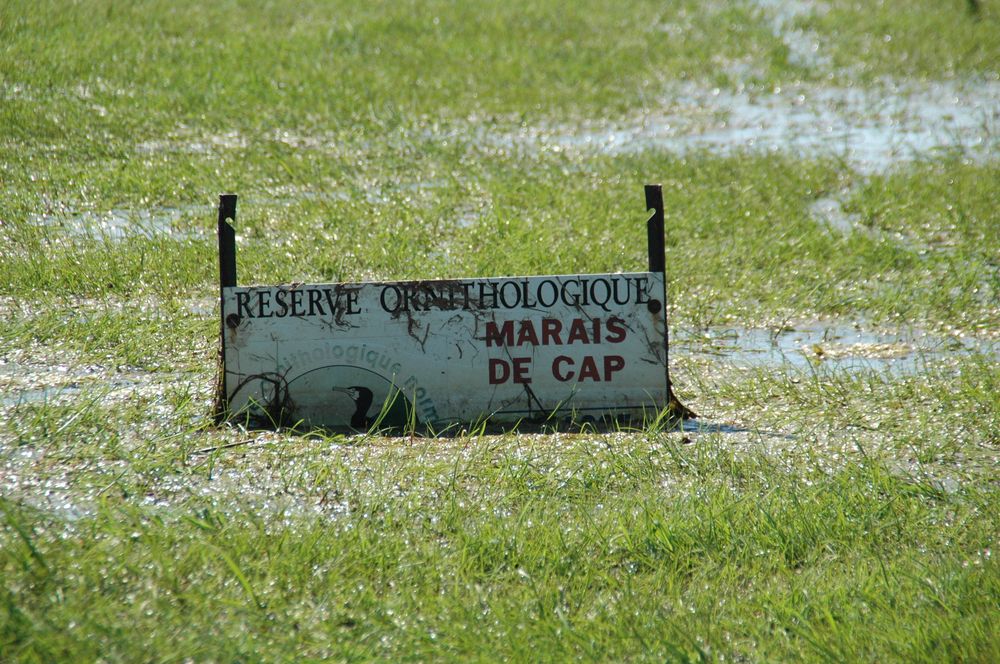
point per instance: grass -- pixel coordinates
(820, 513)
(930, 40)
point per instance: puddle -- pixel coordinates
(829, 211)
(206, 307)
(375, 193)
(803, 46)
(208, 144)
(120, 224)
(831, 347)
(24, 383)
(869, 129)
(42, 395)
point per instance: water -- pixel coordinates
(119, 224)
(869, 129)
(803, 46)
(830, 346)
(830, 212)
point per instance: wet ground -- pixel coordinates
(830, 346)
(870, 130)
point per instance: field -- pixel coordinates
(831, 171)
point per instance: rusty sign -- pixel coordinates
(446, 352)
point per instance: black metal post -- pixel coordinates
(654, 228)
(655, 234)
(227, 241)
(227, 279)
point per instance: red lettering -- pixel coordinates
(500, 336)
(578, 332)
(613, 363)
(551, 329)
(588, 369)
(499, 371)
(527, 334)
(521, 367)
(557, 368)
(616, 329)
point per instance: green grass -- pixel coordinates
(819, 513)
(930, 39)
(518, 547)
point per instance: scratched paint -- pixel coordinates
(446, 352)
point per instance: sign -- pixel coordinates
(568, 348)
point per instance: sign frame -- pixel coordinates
(275, 409)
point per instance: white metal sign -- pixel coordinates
(438, 353)
(446, 351)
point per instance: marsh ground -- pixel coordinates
(831, 174)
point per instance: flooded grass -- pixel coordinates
(831, 178)
(872, 130)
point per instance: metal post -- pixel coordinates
(655, 234)
(227, 241)
(654, 228)
(227, 279)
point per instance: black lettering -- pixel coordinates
(352, 302)
(526, 295)
(263, 301)
(503, 295)
(315, 303)
(297, 303)
(482, 294)
(563, 296)
(607, 293)
(555, 293)
(410, 302)
(621, 300)
(243, 304)
(279, 299)
(465, 292)
(331, 301)
(640, 290)
(385, 305)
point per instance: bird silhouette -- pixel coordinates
(362, 398)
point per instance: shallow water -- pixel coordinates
(830, 347)
(803, 46)
(868, 129)
(119, 224)
(830, 212)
